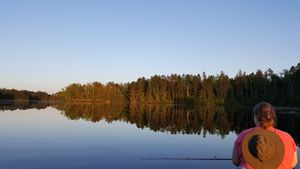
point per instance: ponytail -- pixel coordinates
(265, 115)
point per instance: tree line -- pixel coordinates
(281, 89)
(110, 93)
(13, 94)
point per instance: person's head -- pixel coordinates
(264, 115)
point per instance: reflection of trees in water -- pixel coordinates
(92, 112)
(240, 118)
(23, 105)
(211, 119)
(163, 118)
(291, 124)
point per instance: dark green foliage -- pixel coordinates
(280, 89)
(283, 89)
(13, 94)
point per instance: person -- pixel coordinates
(264, 146)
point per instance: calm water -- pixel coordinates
(99, 136)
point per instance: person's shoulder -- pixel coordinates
(284, 135)
(241, 136)
(281, 132)
(244, 133)
(287, 139)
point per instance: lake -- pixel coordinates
(62, 136)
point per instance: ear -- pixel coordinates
(255, 121)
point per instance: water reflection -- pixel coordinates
(163, 118)
(211, 119)
(23, 105)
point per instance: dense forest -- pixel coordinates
(279, 89)
(13, 94)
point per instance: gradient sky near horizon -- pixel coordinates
(47, 45)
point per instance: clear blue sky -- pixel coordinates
(46, 45)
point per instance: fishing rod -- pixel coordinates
(184, 158)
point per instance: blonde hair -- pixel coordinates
(265, 115)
